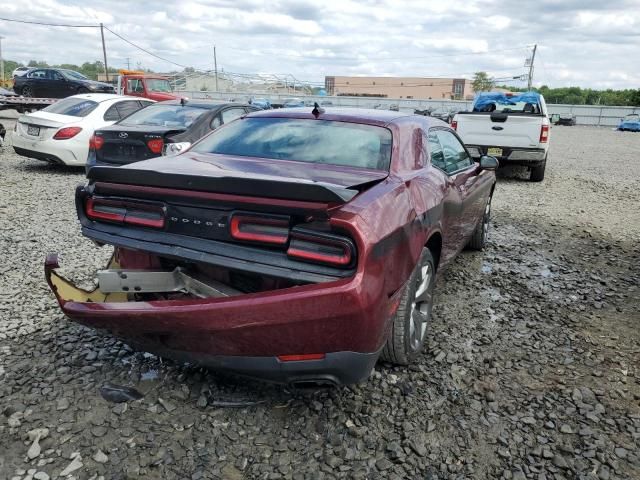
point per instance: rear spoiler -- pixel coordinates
(253, 185)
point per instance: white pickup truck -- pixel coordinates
(514, 128)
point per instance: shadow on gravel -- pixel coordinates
(513, 174)
(46, 168)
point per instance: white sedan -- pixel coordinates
(60, 133)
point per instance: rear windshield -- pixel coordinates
(313, 141)
(516, 107)
(75, 107)
(177, 116)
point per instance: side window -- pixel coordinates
(455, 156)
(111, 115)
(437, 157)
(135, 85)
(216, 122)
(127, 107)
(56, 75)
(231, 114)
(145, 104)
(38, 74)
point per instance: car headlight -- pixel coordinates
(170, 149)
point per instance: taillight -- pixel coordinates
(320, 247)
(105, 210)
(67, 133)
(121, 211)
(155, 145)
(96, 142)
(544, 134)
(454, 124)
(267, 229)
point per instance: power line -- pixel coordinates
(48, 24)
(144, 50)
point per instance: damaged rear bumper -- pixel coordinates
(341, 324)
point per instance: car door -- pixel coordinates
(58, 86)
(135, 87)
(452, 226)
(466, 176)
(37, 80)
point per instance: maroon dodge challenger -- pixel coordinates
(292, 246)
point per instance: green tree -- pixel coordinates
(482, 82)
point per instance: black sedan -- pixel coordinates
(57, 83)
(162, 128)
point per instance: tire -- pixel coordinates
(27, 91)
(479, 238)
(537, 173)
(411, 320)
(83, 90)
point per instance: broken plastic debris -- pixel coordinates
(118, 393)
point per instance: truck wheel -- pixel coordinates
(27, 91)
(537, 173)
(411, 320)
(479, 238)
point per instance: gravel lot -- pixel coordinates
(532, 368)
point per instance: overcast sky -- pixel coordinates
(587, 43)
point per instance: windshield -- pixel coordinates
(158, 85)
(70, 74)
(177, 116)
(313, 141)
(75, 107)
(632, 117)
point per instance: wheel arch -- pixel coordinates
(434, 244)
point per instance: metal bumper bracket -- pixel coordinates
(147, 281)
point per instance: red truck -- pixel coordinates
(140, 84)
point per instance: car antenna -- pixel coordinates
(317, 110)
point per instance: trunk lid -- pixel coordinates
(248, 176)
(44, 123)
(517, 131)
(123, 145)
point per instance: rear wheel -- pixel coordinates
(83, 90)
(410, 322)
(537, 173)
(479, 238)
(27, 91)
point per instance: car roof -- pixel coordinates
(103, 97)
(357, 115)
(202, 103)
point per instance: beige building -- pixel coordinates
(401, 87)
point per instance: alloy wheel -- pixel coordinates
(27, 91)
(421, 307)
(485, 222)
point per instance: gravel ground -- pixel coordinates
(532, 369)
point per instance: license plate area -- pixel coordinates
(127, 151)
(33, 130)
(494, 151)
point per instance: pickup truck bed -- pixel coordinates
(515, 135)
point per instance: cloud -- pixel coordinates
(581, 42)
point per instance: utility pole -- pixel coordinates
(128, 64)
(215, 66)
(104, 53)
(533, 58)
(1, 64)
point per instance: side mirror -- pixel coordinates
(488, 163)
(170, 149)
